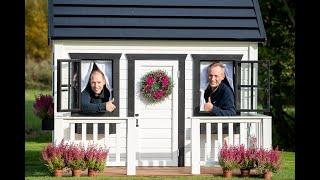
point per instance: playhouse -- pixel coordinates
(127, 39)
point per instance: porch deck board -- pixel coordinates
(165, 171)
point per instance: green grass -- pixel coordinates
(34, 169)
(31, 121)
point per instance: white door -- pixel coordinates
(158, 123)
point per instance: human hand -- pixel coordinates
(208, 106)
(110, 106)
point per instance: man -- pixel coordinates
(95, 98)
(219, 96)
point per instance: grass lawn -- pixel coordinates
(34, 169)
(31, 121)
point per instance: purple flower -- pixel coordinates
(158, 94)
(43, 106)
(165, 81)
(149, 80)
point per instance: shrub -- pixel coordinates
(228, 157)
(43, 106)
(247, 157)
(74, 157)
(96, 157)
(268, 160)
(52, 155)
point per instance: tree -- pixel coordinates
(36, 30)
(278, 17)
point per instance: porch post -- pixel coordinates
(58, 132)
(195, 146)
(267, 132)
(131, 146)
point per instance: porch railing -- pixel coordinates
(65, 128)
(257, 126)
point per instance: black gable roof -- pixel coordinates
(156, 19)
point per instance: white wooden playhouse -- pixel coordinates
(126, 39)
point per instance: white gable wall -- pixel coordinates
(62, 48)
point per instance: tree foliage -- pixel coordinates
(279, 21)
(36, 30)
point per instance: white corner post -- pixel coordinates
(131, 146)
(267, 132)
(195, 146)
(58, 133)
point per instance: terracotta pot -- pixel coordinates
(76, 172)
(267, 175)
(227, 173)
(58, 172)
(92, 172)
(245, 172)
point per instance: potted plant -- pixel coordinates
(74, 159)
(247, 160)
(95, 158)
(228, 159)
(268, 162)
(52, 156)
(43, 108)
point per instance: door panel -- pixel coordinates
(158, 123)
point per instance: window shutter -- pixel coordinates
(253, 86)
(69, 86)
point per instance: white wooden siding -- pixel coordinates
(63, 47)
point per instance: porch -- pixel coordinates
(204, 147)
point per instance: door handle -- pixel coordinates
(137, 119)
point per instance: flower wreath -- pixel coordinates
(156, 86)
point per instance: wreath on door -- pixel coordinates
(156, 86)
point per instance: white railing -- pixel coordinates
(64, 128)
(257, 126)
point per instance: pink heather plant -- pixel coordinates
(247, 157)
(74, 157)
(52, 155)
(228, 157)
(156, 85)
(268, 160)
(96, 158)
(43, 106)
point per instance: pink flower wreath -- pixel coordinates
(156, 86)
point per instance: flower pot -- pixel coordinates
(267, 175)
(92, 172)
(76, 172)
(47, 124)
(58, 172)
(245, 172)
(227, 173)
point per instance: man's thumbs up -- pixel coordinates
(208, 106)
(209, 100)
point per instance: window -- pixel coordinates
(249, 81)
(74, 83)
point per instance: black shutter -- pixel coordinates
(253, 86)
(69, 85)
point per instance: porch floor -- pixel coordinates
(162, 171)
(168, 171)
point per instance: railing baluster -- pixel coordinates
(118, 143)
(84, 132)
(106, 137)
(220, 140)
(72, 131)
(131, 146)
(243, 134)
(230, 134)
(208, 142)
(95, 132)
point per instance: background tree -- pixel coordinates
(279, 22)
(37, 51)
